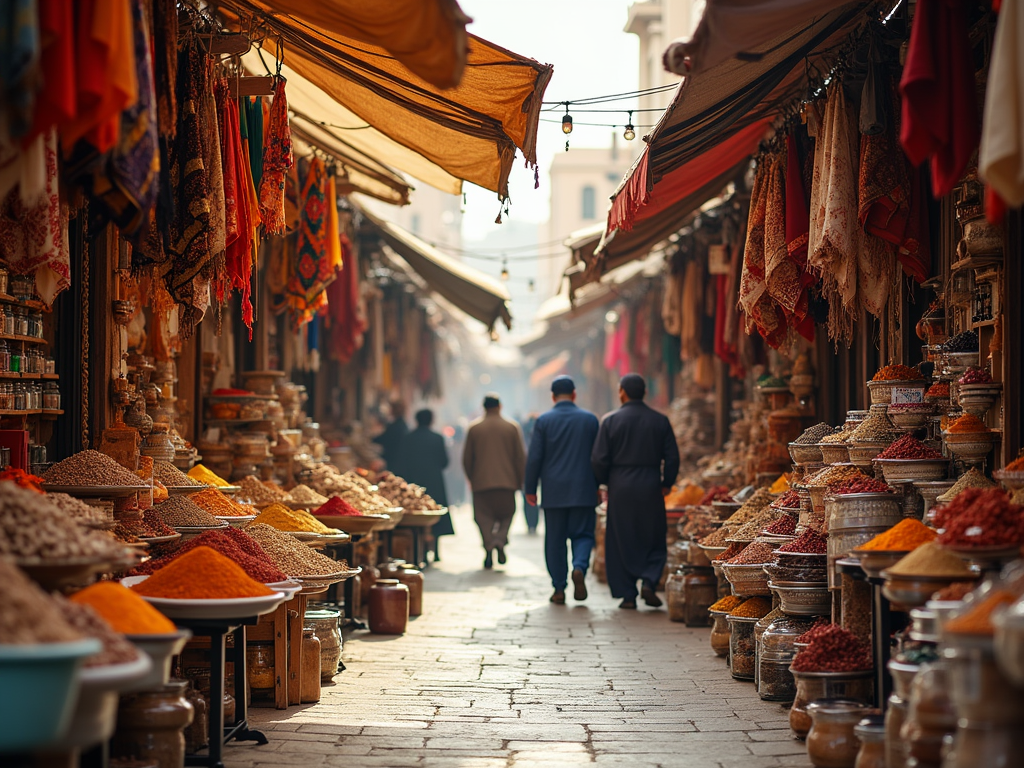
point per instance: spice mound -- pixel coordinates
(907, 447)
(757, 553)
(754, 608)
(784, 526)
(930, 559)
(203, 475)
(897, 373)
(292, 556)
(830, 475)
(221, 505)
(938, 390)
(201, 574)
(972, 478)
(832, 649)
(814, 434)
(31, 527)
(788, 500)
(758, 500)
(966, 425)
(810, 542)
(859, 485)
(715, 493)
(1017, 465)
(182, 512)
(876, 428)
(962, 342)
(123, 610)
(171, 476)
(303, 494)
(726, 603)
(956, 591)
(975, 375)
(78, 510)
(781, 484)
(22, 479)
(284, 519)
(257, 492)
(977, 620)
(116, 649)
(731, 551)
(230, 542)
(338, 506)
(906, 535)
(981, 518)
(90, 468)
(27, 614)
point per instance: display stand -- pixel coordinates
(220, 733)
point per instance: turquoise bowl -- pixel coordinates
(38, 689)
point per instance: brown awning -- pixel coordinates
(472, 131)
(476, 294)
(426, 36)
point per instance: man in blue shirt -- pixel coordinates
(559, 458)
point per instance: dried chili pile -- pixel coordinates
(897, 373)
(784, 526)
(832, 649)
(908, 447)
(788, 500)
(859, 485)
(981, 518)
(755, 554)
(715, 493)
(810, 542)
(230, 542)
(338, 506)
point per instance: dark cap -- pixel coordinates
(491, 400)
(634, 386)
(563, 385)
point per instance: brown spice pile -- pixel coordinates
(27, 614)
(171, 476)
(90, 468)
(831, 474)
(718, 538)
(181, 511)
(77, 509)
(256, 492)
(876, 428)
(726, 603)
(758, 500)
(303, 494)
(755, 554)
(932, 560)
(754, 608)
(972, 478)
(292, 556)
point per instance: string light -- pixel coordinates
(504, 270)
(566, 121)
(629, 134)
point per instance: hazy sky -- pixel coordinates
(591, 55)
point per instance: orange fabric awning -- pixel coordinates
(426, 36)
(471, 131)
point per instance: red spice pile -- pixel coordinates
(788, 500)
(981, 518)
(22, 479)
(831, 649)
(907, 447)
(231, 543)
(784, 526)
(337, 506)
(810, 541)
(859, 485)
(757, 553)
(715, 493)
(731, 552)
(976, 376)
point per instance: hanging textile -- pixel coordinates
(125, 189)
(56, 101)
(797, 226)
(165, 64)
(940, 106)
(313, 269)
(277, 160)
(834, 235)
(213, 160)
(691, 310)
(254, 132)
(190, 227)
(1001, 158)
(757, 304)
(345, 310)
(670, 309)
(19, 66)
(34, 239)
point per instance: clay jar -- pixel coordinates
(151, 725)
(309, 673)
(389, 607)
(412, 577)
(831, 742)
(325, 626)
(720, 632)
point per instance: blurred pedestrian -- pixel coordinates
(494, 460)
(637, 458)
(559, 458)
(423, 460)
(530, 510)
(390, 440)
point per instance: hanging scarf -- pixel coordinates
(56, 100)
(213, 159)
(165, 65)
(756, 302)
(190, 227)
(347, 318)
(34, 239)
(313, 268)
(834, 238)
(254, 133)
(125, 189)
(277, 160)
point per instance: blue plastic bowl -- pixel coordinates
(38, 688)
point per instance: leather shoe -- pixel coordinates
(579, 585)
(650, 597)
(501, 556)
(558, 598)
(488, 562)
(628, 605)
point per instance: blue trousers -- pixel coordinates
(572, 524)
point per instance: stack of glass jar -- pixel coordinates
(14, 359)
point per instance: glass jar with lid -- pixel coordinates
(5, 356)
(9, 321)
(19, 397)
(51, 396)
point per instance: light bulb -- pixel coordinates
(629, 134)
(567, 123)
(530, 286)
(504, 271)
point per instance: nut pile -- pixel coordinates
(256, 492)
(412, 497)
(291, 556)
(27, 614)
(962, 342)
(78, 510)
(306, 496)
(181, 511)
(90, 468)
(31, 527)
(813, 435)
(171, 476)
(876, 428)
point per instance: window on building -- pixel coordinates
(589, 203)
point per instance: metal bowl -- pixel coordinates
(747, 580)
(901, 470)
(805, 453)
(803, 600)
(913, 591)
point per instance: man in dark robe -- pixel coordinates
(423, 458)
(390, 440)
(636, 457)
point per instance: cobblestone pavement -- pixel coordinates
(493, 675)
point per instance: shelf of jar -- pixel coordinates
(27, 303)
(26, 339)
(44, 412)
(29, 376)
